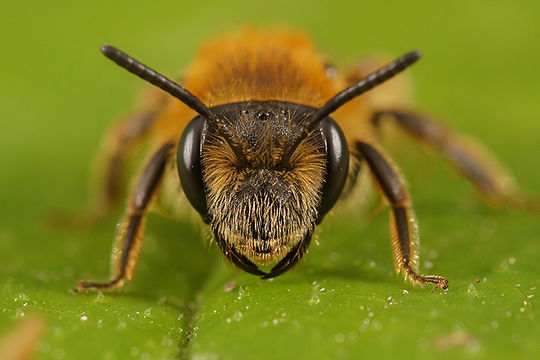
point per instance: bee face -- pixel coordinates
(260, 211)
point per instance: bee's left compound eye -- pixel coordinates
(188, 162)
(337, 165)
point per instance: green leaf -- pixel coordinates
(479, 73)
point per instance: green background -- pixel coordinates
(59, 95)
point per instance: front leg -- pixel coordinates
(403, 226)
(126, 250)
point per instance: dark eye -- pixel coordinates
(188, 163)
(337, 165)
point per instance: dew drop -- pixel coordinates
(314, 299)
(147, 312)
(237, 316)
(339, 338)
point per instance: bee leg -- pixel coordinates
(126, 250)
(469, 158)
(119, 145)
(403, 226)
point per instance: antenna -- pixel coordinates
(171, 87)
(366, 84)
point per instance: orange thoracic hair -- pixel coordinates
(254, 65)
(261, 65)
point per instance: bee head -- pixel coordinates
(262, 211)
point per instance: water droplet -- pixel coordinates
(237, 316)
(148, 312)
(314, 299)
(83, 317)
(472, 289)
(339, 338)
(376, 325)
(365, 324)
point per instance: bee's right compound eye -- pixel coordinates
(188, 163)
(337, 165)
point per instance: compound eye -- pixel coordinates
(188, 161)
(337, 165)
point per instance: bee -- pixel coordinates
(263, 138)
